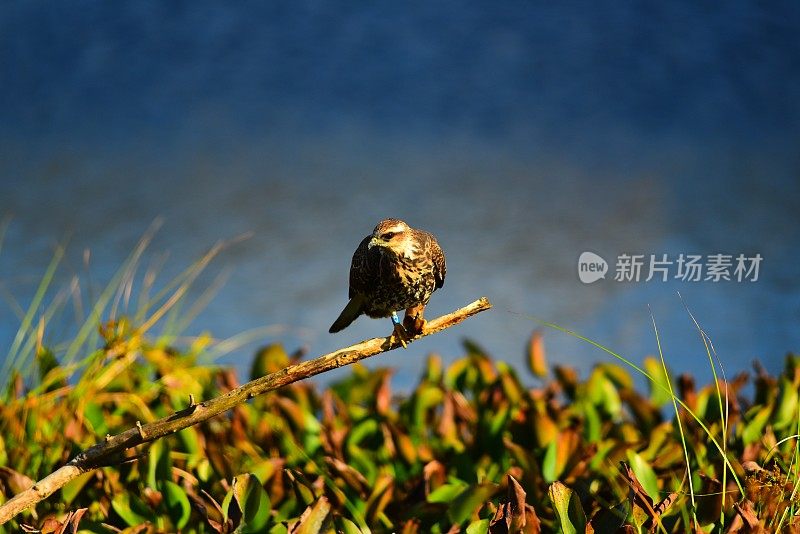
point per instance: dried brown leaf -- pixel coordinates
(747, 512)
(51, 525)
(410, 527)
(638, 494)
(434, 474)
(71, 522)
(381, 496)
(351, 476)
(537, 363)
(514, 515)
(383, 397)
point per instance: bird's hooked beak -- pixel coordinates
(375, 242)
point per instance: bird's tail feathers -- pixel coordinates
(348, 315)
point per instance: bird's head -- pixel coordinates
(393, 235)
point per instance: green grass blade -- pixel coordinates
(677, 416)
(14, 353)
(709, 346)
(89, 326)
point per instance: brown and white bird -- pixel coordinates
(394, 268)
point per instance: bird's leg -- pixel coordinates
(413, 320)
(399, 332)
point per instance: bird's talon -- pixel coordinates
(399, 334)
(414, 324)
(420, 324)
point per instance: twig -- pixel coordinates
(111, 450)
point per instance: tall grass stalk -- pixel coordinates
(15, 357)
(709, 346)
(33, 344)
(88, 330)
(677, 418)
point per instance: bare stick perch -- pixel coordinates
(112, 449)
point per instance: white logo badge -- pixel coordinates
(591, 267)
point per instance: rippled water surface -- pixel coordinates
(521, 135)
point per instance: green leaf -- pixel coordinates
(96, 417)
(468, 501)
(592, 421)
(603, 393)
(754, 429)
(226, 505)
(786, 405)
(177, 504)
(458, 373)
(264, 469)
(303, 488)
(497, 421)
(362, 431)
(190, 440)
(560, 496)
(159, 463)
(550, 470)
(252, 501)
(658, 395)
(131, 509)
(72, 488)
(279, 528)
(426, 397)
(617, 374)
(645, 474)
(447, 492)
(569, 512)
(478, 527)
(204, 469)
(611, 401)
(362, 462)
(345, 526)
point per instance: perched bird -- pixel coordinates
(394, 268)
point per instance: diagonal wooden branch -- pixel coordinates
(112, 449)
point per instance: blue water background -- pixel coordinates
(521, 134)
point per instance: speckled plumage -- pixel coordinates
(394, 268)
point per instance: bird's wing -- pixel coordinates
(439, 265)
(362, 270)
(432, 249)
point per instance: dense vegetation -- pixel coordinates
(473, 447)
(469, 438)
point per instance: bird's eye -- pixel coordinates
(388, 235)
